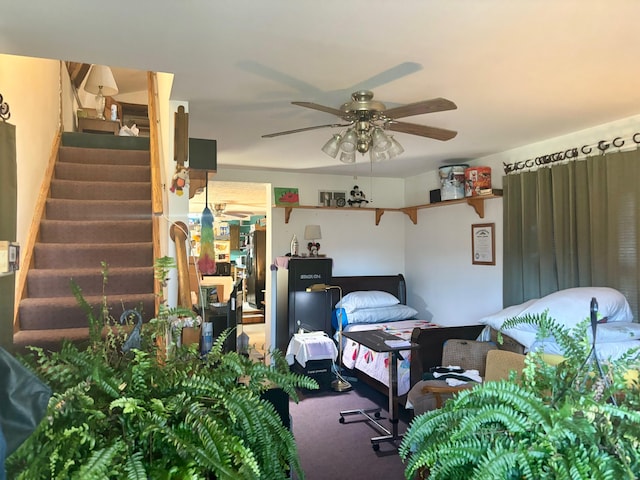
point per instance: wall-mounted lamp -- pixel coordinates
(339, 384)
(313, 234)
(101, 82)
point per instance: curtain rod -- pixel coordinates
(572, 153)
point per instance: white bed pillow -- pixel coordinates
(569, 307)
(616, 332)
(367, 299)
(389, 313)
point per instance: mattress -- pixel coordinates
(376, 365)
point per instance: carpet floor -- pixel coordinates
(329, 449)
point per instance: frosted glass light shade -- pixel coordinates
(349, 157)
(332, 147)
(349, 141)
(395, 149)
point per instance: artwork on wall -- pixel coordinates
(483, 247)
(286, 197)
(332, 199)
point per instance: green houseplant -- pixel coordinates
(139, 415)
(572, 420)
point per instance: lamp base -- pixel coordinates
(340, 385)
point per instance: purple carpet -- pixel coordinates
(331, 450)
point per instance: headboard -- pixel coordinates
(394, 284)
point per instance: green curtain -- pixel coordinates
(8, 206)
(573, 225)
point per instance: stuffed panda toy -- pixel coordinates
(358, 198)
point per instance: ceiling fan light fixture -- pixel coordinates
(378, 156)
(349, 142)
(395, 149)
(379, 140)
(348, 157)
(332, 147)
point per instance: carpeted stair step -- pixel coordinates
(78, 210)
(73, 189)
(120, 280)
(102, 173)
(103, 156)
(95, 231)
(99, 141)
(48, 339)
(64, 312)
(63, 255)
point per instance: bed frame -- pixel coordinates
(431, 340)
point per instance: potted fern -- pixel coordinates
(136, 415)
(572, 420)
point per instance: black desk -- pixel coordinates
(376, 340)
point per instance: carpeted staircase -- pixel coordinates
(99, 210)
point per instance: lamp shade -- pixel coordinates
(332, 147)
(99, 77)
(312, 232)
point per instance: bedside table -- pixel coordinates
(95, 125)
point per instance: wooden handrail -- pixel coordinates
(34, 228)
(154, 145)
(157, 204)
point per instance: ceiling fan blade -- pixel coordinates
(321, 108)
(418, 108)
(422, 130)
(298, 130)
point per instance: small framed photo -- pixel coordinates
(286, 197)
(483, 245)
(332, 199)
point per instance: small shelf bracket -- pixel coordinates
(379, 213)
(412, 213)
(478, 205)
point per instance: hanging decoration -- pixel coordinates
(207, 259)
(180, 180)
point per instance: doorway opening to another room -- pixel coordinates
(241, 248)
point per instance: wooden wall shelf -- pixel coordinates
(412, 212)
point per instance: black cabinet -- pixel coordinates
(295, 307)
(256, 268)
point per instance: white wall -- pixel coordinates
(31, 87)
(351, 238)
(442, 282)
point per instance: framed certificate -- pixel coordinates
(483, 246)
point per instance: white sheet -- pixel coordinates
(376, 365)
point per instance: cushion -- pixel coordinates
(390, 313)
(569, 307)
(367, 299)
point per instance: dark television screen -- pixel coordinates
(203, 154)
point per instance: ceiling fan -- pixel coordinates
(220, 210)
(366, 119)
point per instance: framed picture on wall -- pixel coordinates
(285, 196)
(483, 246)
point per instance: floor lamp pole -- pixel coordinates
(339, 384)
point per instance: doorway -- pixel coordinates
(239, 209)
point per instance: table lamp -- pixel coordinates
(339, 384)
(101, 82)
(312, 233)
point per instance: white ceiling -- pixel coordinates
(519, 71)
